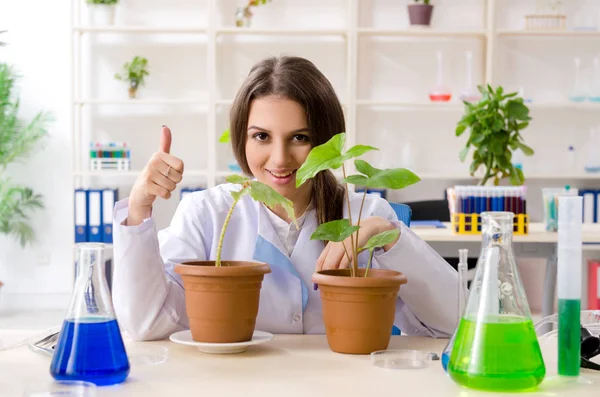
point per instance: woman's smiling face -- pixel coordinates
(278, 143)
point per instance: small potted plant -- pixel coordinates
(243, 15)
(101, 12)
(222, 297)
(134, 73)
(362, 324)
(419, 13)
(495, 124)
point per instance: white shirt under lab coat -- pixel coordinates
(149, 297)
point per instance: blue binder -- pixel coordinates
(109, 198)
(94, 206)
(81, 220)
(590, 205)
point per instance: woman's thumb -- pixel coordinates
(165, 140)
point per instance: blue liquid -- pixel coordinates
(445, 360)
(92, 352)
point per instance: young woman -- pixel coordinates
(285, 107)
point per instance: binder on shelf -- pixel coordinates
(95, 216)
(593, 284)
(81, 212)
(378, 192)
(109, 198)
(590, 205)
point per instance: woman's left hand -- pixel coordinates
(334, 256)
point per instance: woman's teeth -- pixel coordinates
(281, 175)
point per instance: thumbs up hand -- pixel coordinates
(159, 178)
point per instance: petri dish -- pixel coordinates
(401, 359)
(66, 388)
(146, 355)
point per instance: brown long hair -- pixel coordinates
(299, 80)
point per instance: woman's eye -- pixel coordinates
(260, 136)
(301, 138)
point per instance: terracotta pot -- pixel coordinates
(132, 92)
(222, 302)
(358, 312)
(420, 14)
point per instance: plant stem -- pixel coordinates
(354, 255)
(222, 236)
(488, 173)
(369, 264)
(359, 215)
(349, 259)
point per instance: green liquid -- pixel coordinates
(569, 337)
(501, 353)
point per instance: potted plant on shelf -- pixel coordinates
(420, 14)
(495, 124)
(101, 12)
(134, 73)
(17, 139)
(358, 303)
(222, 297)
(243, 15)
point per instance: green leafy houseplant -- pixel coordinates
(244, 14)
(495, 124)
(134, 73)
(426, 2)
(330, 155)
(17, 139)
(259, 192)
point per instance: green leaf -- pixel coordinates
(322, 157)
(225, 137)
(521, 176)
(514, 177)
(365, 168)
(463, 153)
(238, 195)
(523, 125)
(357, 151)
(335, 231)
(497, 148)
(382, 239)
(517, 110)
(474, 166)
(269, 197)
(239, 179)
(394, 178)
(526, 149)
(358, 180)
(460, 128)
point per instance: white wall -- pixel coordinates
(389, 68)
(38, 47)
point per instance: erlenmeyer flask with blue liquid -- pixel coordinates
(90, 347)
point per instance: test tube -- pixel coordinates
(569, 284)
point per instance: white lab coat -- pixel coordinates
(149, 298)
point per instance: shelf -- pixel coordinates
(414, 105)
(149, 101)
(425, 32)
(130, 174)
(564, 105)
(139, 29)
(549, 33)
(279, 32)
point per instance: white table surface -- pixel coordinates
(289, 365)
(537, 234)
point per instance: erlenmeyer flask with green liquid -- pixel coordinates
(496, 347)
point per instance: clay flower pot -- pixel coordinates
(132, 92)
(420, 14)
(358, 312)
(222, 302)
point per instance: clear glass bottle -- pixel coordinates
(470, 93)
(579, 91)
(496, 347)
(463, 255)
(595, 91)
(592, 163)
(90, 347)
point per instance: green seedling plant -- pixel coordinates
(330, 155)
(495, 124)
(134, 73)
(259, 192)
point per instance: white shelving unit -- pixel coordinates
(353, 104)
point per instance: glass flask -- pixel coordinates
(496, 347)
(595, 91)
(592, 163)
(440, 93)
(463, 292)
(470, 93)
(90, 347)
